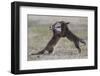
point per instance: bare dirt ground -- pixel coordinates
(39, 35)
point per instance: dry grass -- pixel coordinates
(39, 35)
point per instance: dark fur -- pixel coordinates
(65, 32)
(72, 37)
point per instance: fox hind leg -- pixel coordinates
(50, 50)
(77, 46)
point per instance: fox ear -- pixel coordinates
(67, 22)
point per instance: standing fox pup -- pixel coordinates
(60, 29)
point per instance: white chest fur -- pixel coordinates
(58, 27)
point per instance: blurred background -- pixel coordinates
(39, 35)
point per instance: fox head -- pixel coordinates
(58, 26)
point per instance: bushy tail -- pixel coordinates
(39, 53)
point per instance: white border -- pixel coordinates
(26, 65)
